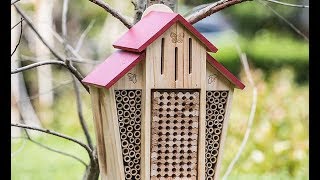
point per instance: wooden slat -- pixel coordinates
(97, 122)
(132, 79)
(202, 125)
(112, 134)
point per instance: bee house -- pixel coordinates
(161, 103)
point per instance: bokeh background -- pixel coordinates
(278, 145)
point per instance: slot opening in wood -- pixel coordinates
(190, 55)
(162, 53)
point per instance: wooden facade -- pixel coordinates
(162, 112)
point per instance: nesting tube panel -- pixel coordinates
(215, 111)
(174, 134)
(128, 103)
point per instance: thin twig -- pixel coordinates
(12, 3)
(285, 20)
(288, 4)
(24, 68)
(72, 69)
(211, 9)
(113, 12)
(21, 28)
(64, 18)
(17, 23)
(88, 149)
(83, 35)
(244, 61)
(80, 115)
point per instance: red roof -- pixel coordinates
(150, 27)
(113, 68)
(134, 42)
(225, 72)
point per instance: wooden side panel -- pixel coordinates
(215, 80)
(98, 125)
(111, 134)
(131, 80)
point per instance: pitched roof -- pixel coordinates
(234, 80)
(150, 27)
(113, 68)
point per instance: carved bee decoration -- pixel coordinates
(212, 79)
(176, 38)
(132, 77)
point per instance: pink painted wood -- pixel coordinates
(150, 27)
(224, 71)
(113, 68)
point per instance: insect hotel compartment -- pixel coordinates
(174, 134)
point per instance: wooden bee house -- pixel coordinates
(161, 103)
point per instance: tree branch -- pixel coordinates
(285, 20)
(244, 61)
(88, 149)
(83, 35)
(21, 28)
(17, 23)
(139, 7)
(288, 4)
(113, 12)
(72, 69)
(211, 9)
(53, 150)
(38, 64)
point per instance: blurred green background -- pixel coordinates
(278, 146)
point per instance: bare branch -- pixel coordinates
(88, 149)
(244, 61)
(38, 64)
(52, 149)
(17, 23)
(285, 20)
(139, 7)
(113, 12)
(21, 28)
(72, 69)
(64, 18)
(288, 4)
(13, 2)
(211, 9)
(83, 35)
(80, 115)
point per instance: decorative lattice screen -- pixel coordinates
(174, 134)
(215, 112)
(128, 104)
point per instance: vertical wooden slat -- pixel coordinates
(201, 56)
(97, 122)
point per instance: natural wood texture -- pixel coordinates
(146, 119)
(177, 36)
(202, 72)
(111, 134)
(133, 79)
(113, 68)
(137, 39)
(226, 73)
(175, 118)
(98, 125)
(224, 132)
(215, 80)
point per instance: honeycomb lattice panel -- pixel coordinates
(174, 133)
(215, 111)
(128, 104)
